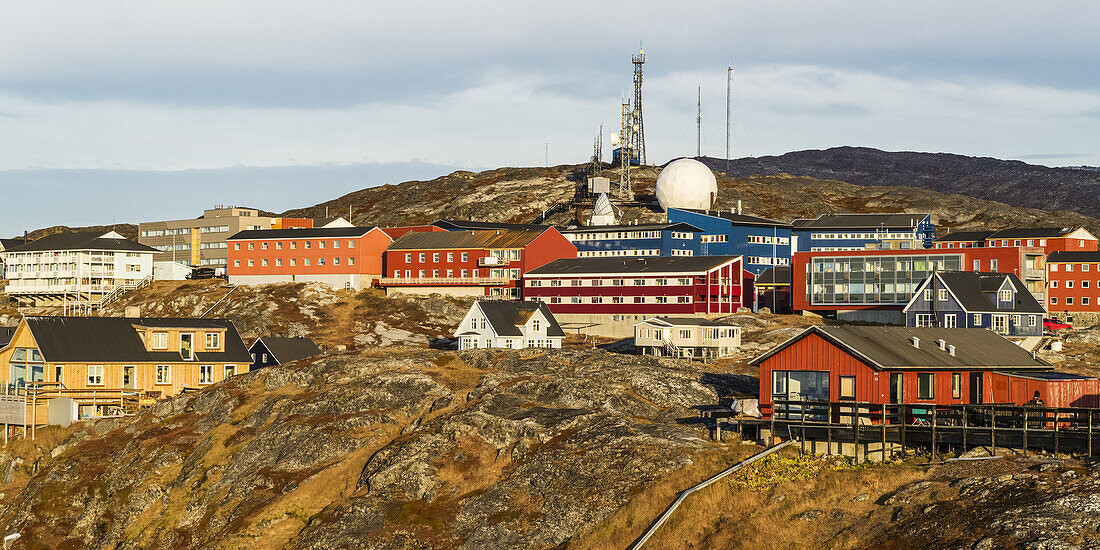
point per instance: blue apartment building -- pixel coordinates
(764, 243)
(643, 240)
(833, 232)
(966, 299)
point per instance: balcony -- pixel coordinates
(490, 261)
(444, 281)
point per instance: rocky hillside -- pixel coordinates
(391, 448)
(127, 230)
(1008, 181)
(522, 194)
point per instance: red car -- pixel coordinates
(1055, 324)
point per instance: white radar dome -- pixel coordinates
(686, 183)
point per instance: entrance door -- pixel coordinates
(128, 374)
(976, 388)
(186, 346)
(897, 394)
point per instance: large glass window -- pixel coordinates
(26, 366)
(872, 279)
(925, 385)
(801, 385)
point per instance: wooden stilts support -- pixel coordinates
(1055, 433)
(992, 431)
(934, 453)
(1025, 432)
(1090, 433)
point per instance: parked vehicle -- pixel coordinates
(201, 273)
(1052, 323)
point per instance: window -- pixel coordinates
(213, 340)
(236, 246)
(1053, 300)
(1069, 267)
(422, 257)
(95, 375)
(164, 374)
(305, 261)
(925, 320)
(977, 318)
(1006, 295)
(977, 265)
(1084, 267)
(1069, 300)
(278, 245)
(943, 295)
(1069, 284)
(949, 320)
(263, 262)
(435, 256)
(206, 374)
(450, 256)
(1084, 284)
(847, 387)
(1031, 320)
(351, 261)
(308, 244)
(251, 263)
(293, 261)
(1054, 284)
(925, 385)
(293, 245)
(336, 244)
(351, 244)
(336, 261)
(160, 340)
(278, 262)
(251, 246)
(535, 325)
(465, 257)
(236, 263)
(956, 385)
(320, 261)
(408, 257)
(927, 295)
(1085, 301)
(993, 265)
(263, 245)
(1054, 267)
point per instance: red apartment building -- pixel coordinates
(1050, 239)
(606, 296)
(470, 263)
(874, 285)
(1073, 282)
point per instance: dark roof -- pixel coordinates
(1074, 256)
(6, 244)
(668, 264)
(285, 350)
(1048, 375)
(461, 225)
(973, 290)
(860, 221)
(506, 316)
(737, 218)
(891, 348)
(1032, 233)
(689, 322)
(5, 335)
(678, 226)
(964, 236)
(775, 276)
(82, 240)
(114, 340)
(305, 233)
(442, 240)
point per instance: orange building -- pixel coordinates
(1050, 239)
(344, 257)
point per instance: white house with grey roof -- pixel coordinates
(509, 325)
(686, 337)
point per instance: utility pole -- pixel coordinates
(547, 162)
(729, 79)
(699, 124)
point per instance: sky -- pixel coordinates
(128, 111)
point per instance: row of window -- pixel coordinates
(1069, 300)
(950, 320)
(766, 260)
(1069, 267)
(617, 282)
(608, 253)
(1004, 295)
(619, 299)
(164, 374)
(714, 239)
(264, 262)
(1069, 284)
(294, 245)
(760, 239)
(876, 235)
(620, 235)
(708, 333)
(463, 273)
(509, 343)
(993, 243)
(535, 324)
(814, 385)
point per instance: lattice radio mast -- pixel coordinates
(638, 141)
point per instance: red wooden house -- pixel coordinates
(933, 366)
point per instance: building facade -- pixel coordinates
(470, 263)
(762, 242)
(874, 285)
(686, 338)
(202, 241)
(607, 296)
(509, 325)
(839, 232)
(962, 299)
(646, 240)
(343, 257)
(1073, 282)
(1050, 239)
(75, 268)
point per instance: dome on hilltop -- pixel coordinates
(686, 183)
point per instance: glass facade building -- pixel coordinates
(872, 280)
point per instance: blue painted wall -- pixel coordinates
(969, 319)
(665, 243)
(926, 233)
(737, 238)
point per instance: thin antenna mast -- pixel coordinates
(729, 79)
(638, 142)
(699, 124)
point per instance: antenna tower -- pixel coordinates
(699, 124)
(638, 143)
(626, 151)
(729, 79)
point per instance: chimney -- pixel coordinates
(942, 343)
(738, 207)
(915, 341)
(951, 350)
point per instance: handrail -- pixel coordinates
(444, 281)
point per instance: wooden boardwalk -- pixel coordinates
(886, 428)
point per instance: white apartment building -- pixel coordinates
(686, 337)
(75, 268)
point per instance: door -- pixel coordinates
(976, 388)
(230, 370)
(129, 372)
(186, 346)
(897, 393)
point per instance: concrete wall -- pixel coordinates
(608, 325)
(445, 290)
(336, 281)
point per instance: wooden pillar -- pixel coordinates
(884, 433)
(1055, 433)
(1025, 431)
(1090, 433)
(992, 430)
(934, 450)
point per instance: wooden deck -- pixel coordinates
(933, 427)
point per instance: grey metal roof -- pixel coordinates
(306, 233)
(507, 316)
(686, 265)
(442, 240)
(1084, 256)
(860, 221)
(1032, 233)
(81, 240)
(678, 226)
(891, 348)
(964, 236)
(737, 218)
(780, 275)
(973, 291)
(460, 225)
(6, 334)
(1048, 375)
(6, 244)
(689, 322)
(114, 340)
(285, 350)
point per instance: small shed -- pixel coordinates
(1056, 389)
(272, 350)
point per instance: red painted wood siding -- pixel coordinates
(547, 247)
(1054, 393)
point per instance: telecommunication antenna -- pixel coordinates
(638, 142)
(699, 124)
(626, 152)
(729, 79)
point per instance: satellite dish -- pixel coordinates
(614, 139)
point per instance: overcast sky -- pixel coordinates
(137, 111)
